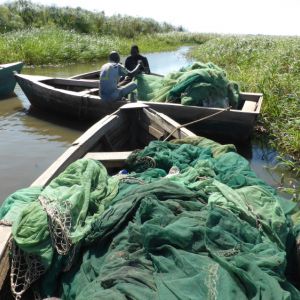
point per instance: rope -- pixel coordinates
(197, 121)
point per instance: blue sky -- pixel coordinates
(221, 16)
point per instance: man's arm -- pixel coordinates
(124, 71)
(146, 65)
(127, 63)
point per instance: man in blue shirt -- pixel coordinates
(110, 89)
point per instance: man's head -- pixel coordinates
(134, 50)
(114, 57)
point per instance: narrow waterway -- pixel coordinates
(30, 142)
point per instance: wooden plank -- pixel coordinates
(110, 159)
(249, 106)
(5, 234)
(82, 145)
(152, 130)
(259, 104)
(134, 105)
(168, 124)
(85, 92)
(250, 96)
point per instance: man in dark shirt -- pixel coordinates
(135, 58)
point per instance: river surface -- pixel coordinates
(30, 142)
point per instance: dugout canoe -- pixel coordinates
(110, 140)
(7, 79)
(78, 98)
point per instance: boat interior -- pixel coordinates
(129, 130)
(112, 139)
(89, 86)
(92, 76)
(248, 102)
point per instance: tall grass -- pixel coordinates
(25, 14)
(270, 65)
(56, 46)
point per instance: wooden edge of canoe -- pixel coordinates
(78, 148)
(5, 235)
(10, 65)
(81, 76)
(259, 104)
(298, 254)
(250, 96)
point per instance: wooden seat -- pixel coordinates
(88, 91)
(110, 159)
(249, 106)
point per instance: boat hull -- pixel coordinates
(71, 105)
(7, 79)
(219, 124)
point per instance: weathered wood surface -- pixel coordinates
(110, 159)
(5, 234)
(249, 106)
(165, 123)
(7, 78)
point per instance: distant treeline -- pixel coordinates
(25, 14)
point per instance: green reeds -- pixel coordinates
(266, 64)
(42, 46)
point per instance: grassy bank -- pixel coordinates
(270, 65)
(22, 14)
(41, 46)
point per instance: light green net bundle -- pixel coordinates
(198, 85)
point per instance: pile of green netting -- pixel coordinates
(198, 85)
(197, 224)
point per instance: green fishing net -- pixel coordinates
(199, 85)
(190, 220)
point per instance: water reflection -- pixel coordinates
(166, 62)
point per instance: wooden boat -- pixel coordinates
(94, 75)
(78, 98)
(110, 141)
(7, 79)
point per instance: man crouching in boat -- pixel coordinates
(110, 88)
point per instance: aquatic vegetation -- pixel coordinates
(40, 46)
(266, 64)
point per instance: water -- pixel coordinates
(30, 142)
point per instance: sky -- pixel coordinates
(275, 17)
